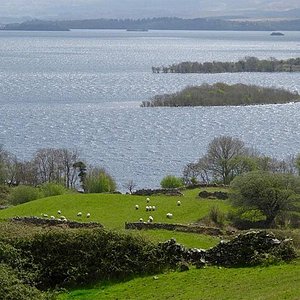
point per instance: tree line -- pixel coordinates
(62, 167)
(174, 23)
(228, 157)
(221, 94)
(261, 187)
(247, 64)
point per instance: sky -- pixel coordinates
(68, 9)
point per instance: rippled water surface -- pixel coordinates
(83, 89)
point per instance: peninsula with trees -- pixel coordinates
(36, 25)
(247, 64)
(222, 94)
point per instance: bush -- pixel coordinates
(99, 181)
(65, 258)
(12, 288)
(171, 182)
(216, 215)
(23, 193)
(4, 194)
(270, 193)
(52, 189)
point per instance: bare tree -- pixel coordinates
(56, 165)
(130, 185)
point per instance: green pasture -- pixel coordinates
(113, 210)
(264, 283)
(259, 283)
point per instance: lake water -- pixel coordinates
(82, 89)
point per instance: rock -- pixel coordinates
(183, 267)
(213, 195)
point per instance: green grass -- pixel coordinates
(190, 240)
(114, 210)
(274, 282)
(260, 283)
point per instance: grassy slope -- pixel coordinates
(114, 210)
(275, 282)
(265, 283)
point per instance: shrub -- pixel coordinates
(12, 288)
(99, 181)
(4, 194)
(271, 194)
(52, 189)
(171, 182)
(216, 215)
(23, 193)
(64, 258)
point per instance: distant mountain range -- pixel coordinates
(157, 24)
(87, 9)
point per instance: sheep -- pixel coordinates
(178, 203)
(63, 218)
(153, 208)
(147, 208)
(150, 208)
(137, 207)
(88, 215)
(52, 218)
(45, 215)
(148, 200)
(79, 214)
(169, 215)
(59, 212)
(141, 220)
(150, 219)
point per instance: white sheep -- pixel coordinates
(150, 219)
(147, 208)
(150, 208)
(148, 200)
(59, 212)
(79, 214)
(153, 208)
(52, 218)
(137, 207)
(169, 215)
(88, 215)
(178, 203)
(45, 215)
(63, 218)
(141, 220)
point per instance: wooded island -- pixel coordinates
(222, 94)
(247, 64)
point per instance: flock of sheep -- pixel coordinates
(153, 208)
(63, 218)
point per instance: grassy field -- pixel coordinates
(114, 210)
(273, 282)
(265, 283)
